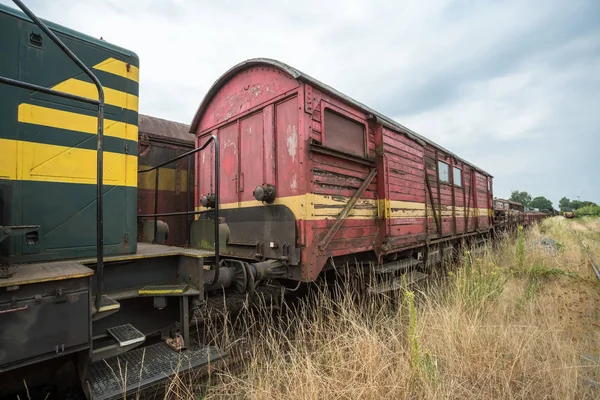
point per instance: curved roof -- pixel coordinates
(296, 74)
(169, 131)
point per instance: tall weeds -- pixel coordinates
(475, 333)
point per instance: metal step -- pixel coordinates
(396, 266)
(396, 284)
(126, 335)
(142, 368)
(162, 290)
(108, 306)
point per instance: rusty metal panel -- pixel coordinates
(241, 93)
(170, 131)
(344, 134)
(161, 140)
(228, 143)
(252, 165)
(288, 149)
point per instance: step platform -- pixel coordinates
(126, 335)
(163, 290)
(144, 367)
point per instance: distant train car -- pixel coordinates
(159, 141)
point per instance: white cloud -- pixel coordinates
(503, 84)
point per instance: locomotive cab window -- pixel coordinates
(344, 134)
(457, 177)
(443, 172)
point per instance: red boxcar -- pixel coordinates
(159, 141)
(334, 179)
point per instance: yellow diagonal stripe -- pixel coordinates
(111, 96)
(31, 161)
(45, 116)
(118, 67)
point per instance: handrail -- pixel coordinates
(100, 135)
(155, 215)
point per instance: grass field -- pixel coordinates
(519, 321)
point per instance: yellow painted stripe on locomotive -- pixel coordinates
(30, 161)
(303, 207)
(37, 115)
(87, 89)
(167, 179)
(118, 67)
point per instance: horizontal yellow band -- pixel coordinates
(30, 161)
(159, 291)
(316, 207)
(118, 67)
(87, 89)
(167, 179)
(54, 118)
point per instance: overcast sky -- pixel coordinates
(512, 86)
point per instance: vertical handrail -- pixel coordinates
(155, 215)
(99, 151)
(187, 201)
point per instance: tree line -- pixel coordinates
(539, 202)
(566, 204)
(580, 207)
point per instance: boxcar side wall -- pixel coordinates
(347, 186)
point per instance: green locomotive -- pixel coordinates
(71, 293)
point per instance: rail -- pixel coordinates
(100, 135)
(187, 213)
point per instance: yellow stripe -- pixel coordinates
(111, 96)
(159, 291)
(37, 115)
(30, 161)
(167, 179)
(118, 67)
(303, 207)
(109, 307)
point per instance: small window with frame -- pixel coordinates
(457, 177)
(443, 172)
(344, 134)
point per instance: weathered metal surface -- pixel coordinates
(161, 140)
(165, 130)
(32, 306)
(283, 139)
(143, 368)
(280, 67)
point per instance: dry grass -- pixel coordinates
(518, 321)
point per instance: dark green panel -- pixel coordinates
(66, 213)
(15, 14)
(113, 81)
(80, 140)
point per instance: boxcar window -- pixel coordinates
(443, 172)
(457, 176)
(344, 134)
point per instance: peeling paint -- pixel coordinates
(293, 183)
(256, 90)
(292, 141)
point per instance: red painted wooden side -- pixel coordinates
(245, 91)
(252, 165)
(288, 149)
